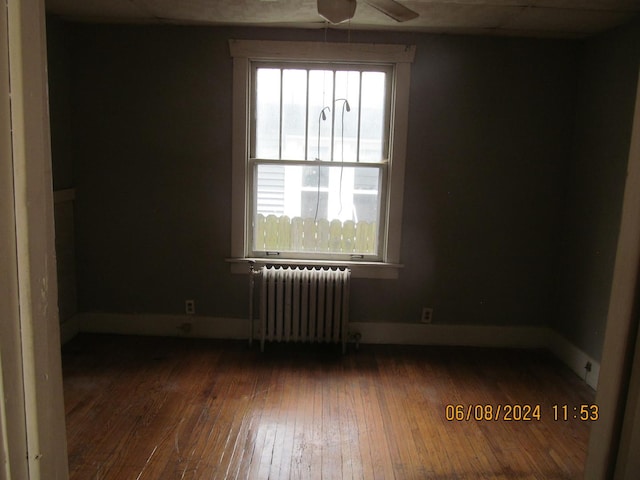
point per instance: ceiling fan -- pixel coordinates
(338, 11)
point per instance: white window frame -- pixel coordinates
(400, 57)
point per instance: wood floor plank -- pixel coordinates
(158, 408)
(370, 410)
(395, 421)
(257, 400)
(349, 429)
(330, 440)
(286, 434)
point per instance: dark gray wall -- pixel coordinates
(58, 53)
(489, 134)
(595, 184)
(490, 137)
(59, 69)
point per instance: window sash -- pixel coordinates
(280, 69)
(385, 69)
(380, 225)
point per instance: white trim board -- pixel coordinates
(164, 325)
(370, 332)
(482, 336)
(573, 357)
(451, 335)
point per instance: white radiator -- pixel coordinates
(304, 305)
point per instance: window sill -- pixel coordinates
(378, 270)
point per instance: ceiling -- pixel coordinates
(540, 18)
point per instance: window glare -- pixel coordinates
(268, 113)
(320, 95)
(372, 127)
(294, 104)
(345, 147)
(330, 115)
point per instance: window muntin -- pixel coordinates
(318, 162)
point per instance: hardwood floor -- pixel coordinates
(166, 408)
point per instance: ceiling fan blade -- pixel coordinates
(337, 11)
(393, 9)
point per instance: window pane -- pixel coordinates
(372, 126)
(345, 140)
(312, 203)
(294, 105)
(366, 205)
(366, 179)
(270, 198)
(310, 177)
(294, 214)
(320, 99)
(366, 188)
(268, 113)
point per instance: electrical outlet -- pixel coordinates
(587, 366)
(427, 315)
(190, 307)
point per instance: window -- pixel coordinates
(318, 151)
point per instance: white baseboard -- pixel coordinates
(195, 326)
(574, 358)
(370, 332)
(477, 336)
(459, 335)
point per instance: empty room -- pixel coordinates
(322, 239)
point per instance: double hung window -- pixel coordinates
(318, 157)
(319, 132)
